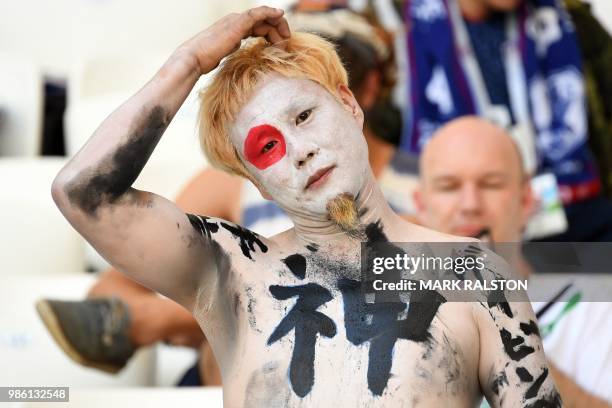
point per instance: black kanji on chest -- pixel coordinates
(378, 324)
(307, 323)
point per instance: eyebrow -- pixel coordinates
(450, 177)
(293, 106)
(497, 174)
(444, 177)
(298, 104)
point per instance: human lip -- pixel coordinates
(319, 177)
(473, 231)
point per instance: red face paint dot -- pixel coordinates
(264, 146)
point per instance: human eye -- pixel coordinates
(493, 183)
(446, 185)
(302, 117)
(268, 146)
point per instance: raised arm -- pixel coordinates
(142, 234)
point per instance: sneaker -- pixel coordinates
(92, 332)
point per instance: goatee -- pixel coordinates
(342, 211)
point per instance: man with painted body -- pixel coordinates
(284, 315)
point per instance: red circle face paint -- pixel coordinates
(264, 146)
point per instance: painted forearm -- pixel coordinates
(109, 163)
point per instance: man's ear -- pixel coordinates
(528, 203)
(350, 103)
(417, 197)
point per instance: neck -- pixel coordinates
(474, 10)
(371, 207)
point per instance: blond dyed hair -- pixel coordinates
(306, 56)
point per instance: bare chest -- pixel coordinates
(298, 328)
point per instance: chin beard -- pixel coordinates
(342, 211)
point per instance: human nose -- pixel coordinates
(304, 153)
(470, 202)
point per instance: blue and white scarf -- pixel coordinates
(548, 53)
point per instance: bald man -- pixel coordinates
(472, 181)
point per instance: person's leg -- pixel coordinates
(114, 283)
(153, 318)
(118, 316)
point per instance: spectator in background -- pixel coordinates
(85, 329)
(472, 184)
(518, 64)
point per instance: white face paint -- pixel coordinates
(315, 133)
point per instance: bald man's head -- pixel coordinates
(472, 179)
(471, 136)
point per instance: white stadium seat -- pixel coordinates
(21, 104)
(35, 239)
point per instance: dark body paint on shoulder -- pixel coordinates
(524, 374)
(107, 185)
(514, 347)
(517, 349)
(247, 239)
(530, 328)
(499, 381)
(535, 387)
(231, 304)
(497, 299)
(201, 224)
(552, 400)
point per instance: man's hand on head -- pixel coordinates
(219, 40)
